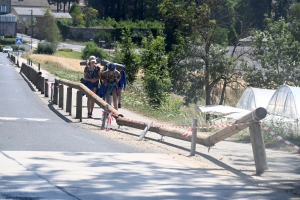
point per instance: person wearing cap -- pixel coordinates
(92, 76)
(110, 79)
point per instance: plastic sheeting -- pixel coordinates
(284, 102)
(253, 98)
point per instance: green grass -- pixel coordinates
(73, 54)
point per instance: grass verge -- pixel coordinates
(64, 54)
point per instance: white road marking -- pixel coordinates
(29, 119)
(8, 118)
(36, 119)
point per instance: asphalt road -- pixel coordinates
(27, 124)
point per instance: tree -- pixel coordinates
(77, 15)
(156, 77)
(294, 13)
(280, 8)
(91, 49)
(126, 53)
(50, 30)
(276, 52)
(90, 17)
(204, 66)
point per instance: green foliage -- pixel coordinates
(7, 41)
(22, 48)
(154, 61)
(65, 49)
(77, 15)
(90, 17)
(294, 13)
(103, 36)
(125, 53)
(276, 51)
(65, 54)
(1, 48)
(50, 30)
(64, 27)
(44, 49)
(220, 36)
(137, 10)
(92, 49)
(233, 38)
(9, 36)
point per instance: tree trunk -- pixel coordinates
(223, 92)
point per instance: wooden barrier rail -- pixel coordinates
(206, 139)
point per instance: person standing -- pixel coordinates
(110, 79)
(91, 76)
(121, 85)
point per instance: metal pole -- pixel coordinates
(31, 30)
(194, 137)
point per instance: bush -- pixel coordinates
(1, 47)
(103, 35)
(44, 49)
(22, 48)
(9, 36)
(8, 41)
(65, 49)
(92, 49)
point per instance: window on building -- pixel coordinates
(24, 19)
(3, 9)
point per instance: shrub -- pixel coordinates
(103, 35)
(7, 41)
(44, 49)
(92, 49)
(22, 48)
(65, 49)
(1, 47)
(8, 36)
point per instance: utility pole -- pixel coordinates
(31, 30)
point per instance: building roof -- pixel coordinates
(27, 11)
(30, 3)
(62, 15)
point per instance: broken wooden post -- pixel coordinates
(236, 127)
(194, 137)
(105, 115)
(258, 147)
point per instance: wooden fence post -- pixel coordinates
(258, 147)
(61, 96)
(69, 101)
(55, 93)
(42, 85)
(79, 106)
(46, 89)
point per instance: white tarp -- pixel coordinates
(221, 110)
(253, 98)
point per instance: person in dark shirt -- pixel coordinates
(92, 77)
